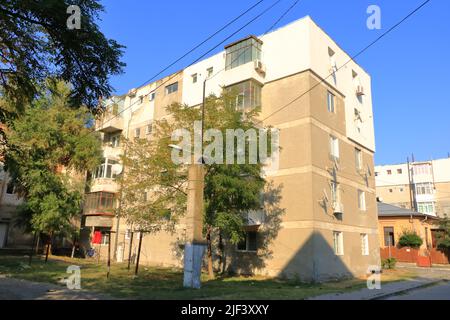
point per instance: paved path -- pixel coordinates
(15, 289)
(426, 277)
(436, 292)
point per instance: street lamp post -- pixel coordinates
(195, 243)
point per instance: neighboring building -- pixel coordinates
(326, 173)
(393, 221)
(422, 185)
(10, 235)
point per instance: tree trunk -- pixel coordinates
(209, 253)
(49, 247)
(37, 242)
(222, 254)
(74, 239)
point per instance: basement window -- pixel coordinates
(249, 243)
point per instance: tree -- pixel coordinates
(443, 237)
(230, 191)
(50, 145)
(410, 239)
(35, 43)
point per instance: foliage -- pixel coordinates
(230, 189)
(443, 237)
(410, 239)
(35, 43)
(388, 263)
(49, 146)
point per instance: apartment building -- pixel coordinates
(420, 185)
(326, 169)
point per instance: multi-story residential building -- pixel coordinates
(420, 185)
(326, 169)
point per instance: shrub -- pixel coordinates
(388, 263)
(410, 239)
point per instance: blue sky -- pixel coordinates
(410, 67)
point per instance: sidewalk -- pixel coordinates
(426, 277)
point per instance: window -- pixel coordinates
(148, 129)
(334, 148)
(376, 174)
(105, 238)
(141, 99)
(330, 102)
(422, 169)
(194, 78)
(105, 169)
(424, 188)
(209, 71)
(137, 132)
(335, 196)
(389, 172)
(99, 201)
(10, 188)
(338, 243)
(390, 190)
(389, 237)
(358, 159)
(364, 244)
(247, 95)
(152, 96)
(361, 200)
(115, 141)
(249, 243)
(144, 196)
(399, 171)
(242, 52)
(425, 207)
(171, 88)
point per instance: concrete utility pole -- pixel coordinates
(195, 243)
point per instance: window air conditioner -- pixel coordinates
(260, 67)
(338, 207)
(359, 90)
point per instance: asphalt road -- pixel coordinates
(436, 292)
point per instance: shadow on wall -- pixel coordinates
(316, 261)
(250, 262)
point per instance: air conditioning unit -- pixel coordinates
(359, 90)
(260, 67)
(132, 92)
(338, 207)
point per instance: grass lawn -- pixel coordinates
(166, 283)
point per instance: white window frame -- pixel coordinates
(358, 159)
(334, 147)
(115, 141)
(209, 71)
(152, 96)
(194, 78)
(362, 200)
(137, 132)
(334, 191)
(338, 243)
(149, 129)
(364, 244)
(427, 206)
(331, 102)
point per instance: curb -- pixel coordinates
(420, 286)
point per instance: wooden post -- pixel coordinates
(138, 254)
(109, 255)
(129, 252)
(48, 247)
(32, 249)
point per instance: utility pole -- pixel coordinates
(195, 244)
(138, 253)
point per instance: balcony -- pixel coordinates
(254, 218)
(109, 123)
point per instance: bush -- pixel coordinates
(410, 239)
(388, 263)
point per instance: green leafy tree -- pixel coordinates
(49, 146)
(35, 43)
(411, 239)
(230, 190)
(443, 237)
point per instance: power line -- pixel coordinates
(351, 59)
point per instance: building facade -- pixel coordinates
(327, 227)
(423, 186)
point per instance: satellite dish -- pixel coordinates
(117, 169)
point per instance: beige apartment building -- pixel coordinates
(327, 222)
(420, 185)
